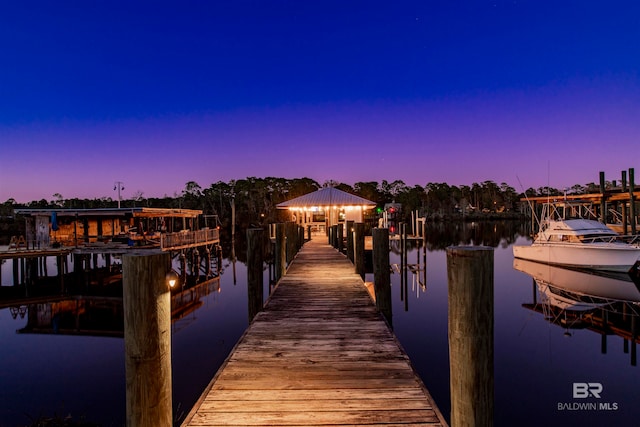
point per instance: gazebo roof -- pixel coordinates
(328, 196)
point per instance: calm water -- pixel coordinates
(536, 362)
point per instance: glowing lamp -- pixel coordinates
(172, 278)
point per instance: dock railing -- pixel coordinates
(188, 239)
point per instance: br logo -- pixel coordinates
(584, 390)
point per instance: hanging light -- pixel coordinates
(172, 278)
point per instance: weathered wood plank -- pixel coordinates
(318, 405)
(318, 354)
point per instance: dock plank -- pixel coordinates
(319, 354)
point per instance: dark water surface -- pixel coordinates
(536, 361)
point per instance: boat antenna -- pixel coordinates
(548, 188)
(533, 212)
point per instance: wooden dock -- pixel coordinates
(318, 354)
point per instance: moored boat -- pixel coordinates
(581, 243)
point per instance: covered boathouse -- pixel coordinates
(326, 207)
(138, 226)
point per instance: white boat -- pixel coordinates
(581, 243)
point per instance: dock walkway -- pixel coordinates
(318, 354)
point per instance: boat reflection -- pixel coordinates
(605, 303)
(98, 315)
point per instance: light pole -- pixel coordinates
(118, 185)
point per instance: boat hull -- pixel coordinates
(606, 257)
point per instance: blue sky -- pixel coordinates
(156, 94)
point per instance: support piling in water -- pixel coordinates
(358, 248)
(350, 240)
(254, 271)
(381, 272)
(291, 234)
(280, 251)
(470, 287)
(147, 339)
(632, 202)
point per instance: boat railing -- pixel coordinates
(628, 239)
(188, 239)
(631, 239)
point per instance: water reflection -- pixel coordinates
(604, 303)
(99, 316)
(486, 233)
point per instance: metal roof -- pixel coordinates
(112, 212)
(328, 196)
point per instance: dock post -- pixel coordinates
(623, 208)
(358, 248)
(405, 268)
(603, 200)
(254, 271)
(381, 274)
(147, 339)
(300, 237)
(219, 259)
(350, 240)
(281, 251)
(470, 287)
(632, 201)
(207, 260)
(634, 335)
(16, 272)
(332, 236)
(195, 266)
(183, 268)
(60, 265)
(339, 236)
(308, 232)
(424, 253)
(291, 241)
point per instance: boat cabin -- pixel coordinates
(140, 226)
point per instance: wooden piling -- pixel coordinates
(623, 212)
(16, 272)
(358, 248)
(332, 236)
(381, 272)
(634, 335)
(183, 267)
(60, 265)
(291, 241)
(339, 236)
(300, 237)
(424, 254)
(632, 202)
(603, 200)
(195, 266)
(255, 281)
(405, 269)
(350, 240)
(147, 339)
(470, 287)
(23, 272)
(281, 251)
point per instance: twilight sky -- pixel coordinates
(155, 93)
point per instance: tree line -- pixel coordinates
(255, 199)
